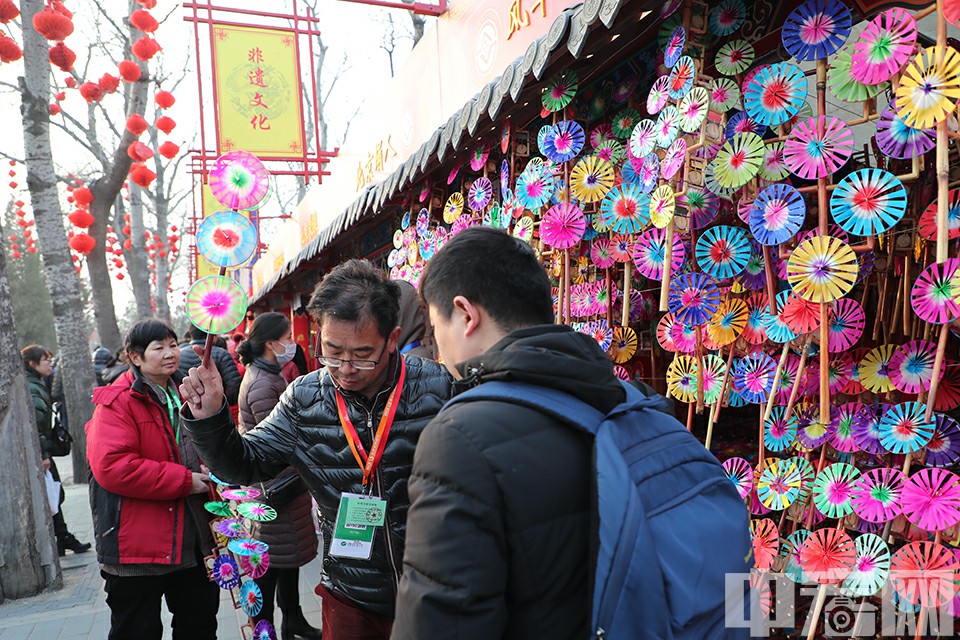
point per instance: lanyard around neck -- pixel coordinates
(173, 405)
(383, 431)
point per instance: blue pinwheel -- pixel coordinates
(564, 141)
(776, 93)
(693, 298)
(816, 29)
(723, 251)
(226, 238)
(777, 214)
(868, 202)
(904, 429)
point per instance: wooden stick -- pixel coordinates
(771, 281)
(715, 410)
(566, 286)
(796, 383)
(609, 284)
(937, 370)
(627, 285)
(690, 417)
(700, 376)
(667, 262)
(907, 283)
(208, 344)
(822, 208)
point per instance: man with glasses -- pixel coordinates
(350, 430)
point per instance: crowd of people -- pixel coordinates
(489, 525)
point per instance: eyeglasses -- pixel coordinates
(359, 365)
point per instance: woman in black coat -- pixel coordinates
(292, 536)
(38, 363)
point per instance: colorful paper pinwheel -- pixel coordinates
(668, 127)
(625, 209)
(649, 253)
(726, 17)
(479, 195)
(728, 322)
(740, 474)
(662, 206)
(225, 572)
(702, 206)
(591, 179)
(722, 251)
(833, 489)
(816, 29)
(843, 84)
(822, 269)
(943, 450)
(931, 499)
(777, 214)
(227, 238)
(562, 226)
(216, 304)
(778, 483)
(775, 94)
(933, 297)
(884, 47)
(734, 57)
(682, 76)
(924, 573)
(774, 165)
(738, 160)
(754, 376)
(817, 147)
(682, 378)
(911, 367)
(693, 298)
(238, 180)
(868, 202)
(847, 320)
(693, 109)
(876, 496)
(780, 430)
(559, 91)
(643, 139)
(828, 556)
(724, 94)
(870, 569)
(898, 140)
(929, 87)
(659, 95)
(563, 141)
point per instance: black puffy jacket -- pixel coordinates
(225, 365)
(303, 431)
(499, 528)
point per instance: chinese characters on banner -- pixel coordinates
(375, 162)
(259, 98)
(519, 17)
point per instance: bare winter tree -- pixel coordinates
(28, 560)
(62, 280)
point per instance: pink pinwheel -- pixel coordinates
(684, 337)
(847, 321)
(256, 565)
(877, 495)
(649, 254)
(833, 489)
(741, 474)
(884, 47)
(665, 333)
(657, 99)
(600, 253)
(839, 432)
(562, 226)
(931, 499)
(911, 367)
(674, 159)
(818, 146)
(932, 298)
(766, 543)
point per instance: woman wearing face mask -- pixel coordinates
(292, 536)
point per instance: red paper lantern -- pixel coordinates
(59, 7)
(129, 70)
(13, 184)
(172, 239)
(15, 255)
(119, 276)
(81, 218)
(169, 150)
(20, 213)
(82, 243)
(8, 11)
(60, 95)
(109, 83)
(145, 48)
(165, 124)
(147, 4)
(142, 175)
(55, 109)
(31, 249)
(137, 124)
(173, 227)
(53, 24)
(22, 223)
(12, 238)
(139, 152)
(143, 21)
(91, 92)
(128, 245)
(17, 203)
(164, 99)
(83, 196)
(70, 81)
(9, 49)
(126, 229)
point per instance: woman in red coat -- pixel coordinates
(292, 536)
(147, 494)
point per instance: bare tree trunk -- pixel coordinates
(137, 264)
(105, 190)
(28, 559)
(419, 23)
(62, 280)
(161, 203)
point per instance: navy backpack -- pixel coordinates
(671, 525)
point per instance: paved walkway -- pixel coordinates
(79, 611)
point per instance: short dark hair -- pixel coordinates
(268, 326)
(34, 353)
(494, 270)
(146, 331)
(354, 291)
(194, 332)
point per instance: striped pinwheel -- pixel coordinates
(816, 29)
(868, 202)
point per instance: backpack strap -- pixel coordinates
(556, 404)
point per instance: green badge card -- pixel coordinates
(357, 520)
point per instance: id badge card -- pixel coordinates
(357, 520)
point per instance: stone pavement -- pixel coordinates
(79, 611)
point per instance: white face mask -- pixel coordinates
(289, 351)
